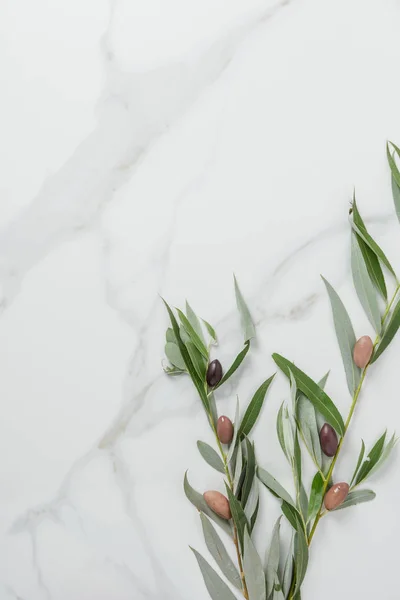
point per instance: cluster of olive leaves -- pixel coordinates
(299, 424)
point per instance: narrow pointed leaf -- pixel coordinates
(198, 501)
(303, 504)
(198, 361)
(238, 515)
(211, 331)
(373, 267)
(274, 486)
(235, 365)
(254, 408)
(213, 409)
(238, 469)
(359, 461)
(307, 423)
(247, 324)
(235, 433)
(254, 573)
(250, 472)
(385, 455)
(272, 561)
(216, 587)
(210, 456)
(254, 516)
(389, 333)
(188, 362)
(288, 569)
(252, 501)
(219, 553)
(194, 321)
(364, 235)
(293, 516)
(279, 429)
(359, 227)
(371, 460)
(316, 497)
(345, 336)
(321, 401)
(357, 497)
(288, 435)
(364, 287)
(301, 560)
(194, 337)
(396, 196)
(393, 167)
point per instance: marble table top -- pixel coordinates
(155, 148)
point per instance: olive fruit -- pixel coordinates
(328, 440)
(214, 373)
(363, 350)
(224, 430)
(218, 503)
(336, 495)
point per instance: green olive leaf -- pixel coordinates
(388, 333)
(364, 235)
(219, 553)
(238, 515)
(272, 559)
(239, 466)
(211, 332)
(395, 176)
(210, 456)
(213, 409)
(198, 501)
(235, 365)
(250, 472)
(364, 286)
(370, 258)
(359, 461)
(301, 560)
(253, 570)
(274, 486)
(357, 497)
(245, 317)
(293, 516)
(288, 569)
(320, 400)
(385, 455)
(235, 434)
(316, 497)
(194, 337)
(252, 500)
(216, 587)
(280, 429)
(371, 460)
(254, 408)
(345, 336)
(194, 321)
(174, 355)
(198, 361)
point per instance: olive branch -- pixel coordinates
(310, 422)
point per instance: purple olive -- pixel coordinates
(214, 373)
(328, 439)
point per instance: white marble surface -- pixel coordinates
(155, 147)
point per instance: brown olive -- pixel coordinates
(363, 350)
(336, 495)
(224, 430)
(218, 503)
(328, 440)
(214, 373)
